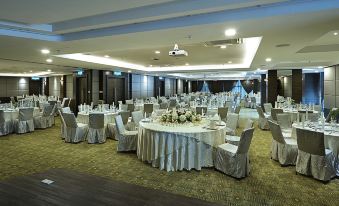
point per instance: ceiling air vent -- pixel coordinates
(282, 45)
(223, 42)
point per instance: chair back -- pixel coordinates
(66, 110)
(249, 124)
(129, 101)
(47, 110)
(130, 107)
(96, 121)
(260, 112)
(119, 124)
(253, 100)
(148, 108)
(26, 114)
(245, 141)
(276, 132)
(137, 117)
(163, 105)
(124, 116)
(2, 116)
(317, 108)
(284, 120)
(268, 107)
(70, 120)
(124, 107)
(232, 121)
(52, 102)
(274, 113)
(311, 142)
(199, 110)
(313, 117)
(237, 110)
(222, 111)
(172, 103)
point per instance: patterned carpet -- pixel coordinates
(269, 183)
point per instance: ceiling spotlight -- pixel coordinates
(268, 59)
(45, 51)
(230, 32)
(187, 64)
(335, 33)
(151, 65)
(129, 71)
(258, 69)
(49, 60)
(49, 70)
(157, 52)
(106, 56)
(230, 62)
(223, 47)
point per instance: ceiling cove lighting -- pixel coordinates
(49, 60)
(45, 51)
(268, 59)
(106, 56)
(251, 46)
(223, 47)
(230, 32)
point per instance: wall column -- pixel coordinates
(297, 85)
(272, 86)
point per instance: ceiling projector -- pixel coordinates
(177, 52)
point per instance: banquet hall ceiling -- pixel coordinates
(295, 34)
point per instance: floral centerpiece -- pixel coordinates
(180, 116)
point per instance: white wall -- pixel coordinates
(180, 86)
(13, 86)
(54, 86)
(142, 86)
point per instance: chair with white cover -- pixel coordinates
(232, 139)
(111, 128)
(62, 125)
(129, 101)
(283, 150)
(284, 120)
(268, 108)
(124, 107)
(222, 111)
(234, 160)
(313, 159)
(313, 117)
(25, 122)
(66, 110)
(237, 109)
(75, 132)
(231, 123)
(6, 126)
(163, 105)
(275, 112)
(43, 120)
(137, 117)
(148, 109)
(262, 121)
(201, 110)
(125, 116)
(96, 128)
(127, 140)
(130, 107)
(172, 103)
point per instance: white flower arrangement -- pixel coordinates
(180, 116)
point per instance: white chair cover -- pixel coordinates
(274, 113)
(66, 110)
(313, 159)
(262, 121)
(25, 122)
(44, 121)
(268, 107)
(283, 150)
(234, 160)
(231, 123)
(222, 111)
(75, 132)
(163, 105)
(236, 139)
(137, 117)
(96, 133)
(62, 125)
(6, 127)
(125, 116)
(284, 120)
(127, 140)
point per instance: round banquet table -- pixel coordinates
(83, 117)
(179, 147)
(13, 114)
(331, 139)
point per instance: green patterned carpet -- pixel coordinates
(269, 183)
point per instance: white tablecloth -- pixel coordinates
(176, 148)
(211, 111)
(140, 107)
(14, 114)
(294, 114)
(84, 117)
(331, 139)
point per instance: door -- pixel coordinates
(115, 90)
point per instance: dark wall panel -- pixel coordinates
(297, 85)
(272, 86)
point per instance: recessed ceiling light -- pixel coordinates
(106, 56)
(223, 47)
(157, 52)
(320, 67)
(187, 64)
(335, 33)
(230, 32)
(230, 62)
(129, 71)
(49, 70)
(258, 69)
(151, 65)
(268, 59)
(45, 51)
(49, 60)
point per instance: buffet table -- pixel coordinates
(183, 146)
